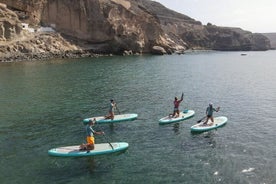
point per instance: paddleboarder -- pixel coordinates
(176, 106)
(112, 107)
(90, 136)
(209, 113)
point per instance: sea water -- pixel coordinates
(43, 105)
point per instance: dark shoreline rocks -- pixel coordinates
(48, 56)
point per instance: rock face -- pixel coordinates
(128, 26)
(191, 33)
(18, 44)
(141, 25)
(10, 26)
(28, 11)
(116, 24)
(272, 38)
(234, 39)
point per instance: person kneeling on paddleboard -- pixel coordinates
(176, 106)
(209, 113)
(90, 136)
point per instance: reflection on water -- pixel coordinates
(176, 128)
(91, 164)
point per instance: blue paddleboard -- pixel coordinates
(100, 149)
(218, 122)
(117, 118)
(182, 116)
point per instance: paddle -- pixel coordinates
(105, 136)
(201, 119)
(108, 141)
(141, 119)
(117, 108)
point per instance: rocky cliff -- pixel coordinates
(272, 38)
(9, 27)
(120, 27)
(198, 36)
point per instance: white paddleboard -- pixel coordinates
(117, 118)
(182, 116)
(218, 122)
(100, 149)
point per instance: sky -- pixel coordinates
(257, 16)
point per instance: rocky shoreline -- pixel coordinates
(46, 56)
(41, 46)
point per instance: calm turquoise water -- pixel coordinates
(43, 104)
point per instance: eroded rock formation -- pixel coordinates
(10, 26)
(121, 27)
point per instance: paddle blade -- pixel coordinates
(200, 120)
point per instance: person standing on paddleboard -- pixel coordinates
(90, 136)
(209, 113)
(112, 107)
(176, 106)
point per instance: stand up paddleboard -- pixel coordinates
(100, 149)
(182, 116)
(218, 122)
(117, 118)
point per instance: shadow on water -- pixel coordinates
(200, 141)
(66, 169)
(176, 128)
(69, 169)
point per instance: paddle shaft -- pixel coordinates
(201, 119)
(117, 108)
(108, 141)
(218, 108)
(141, 119)
(105, 137)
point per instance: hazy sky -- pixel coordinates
(252, 15)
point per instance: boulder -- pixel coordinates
(157, 50)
